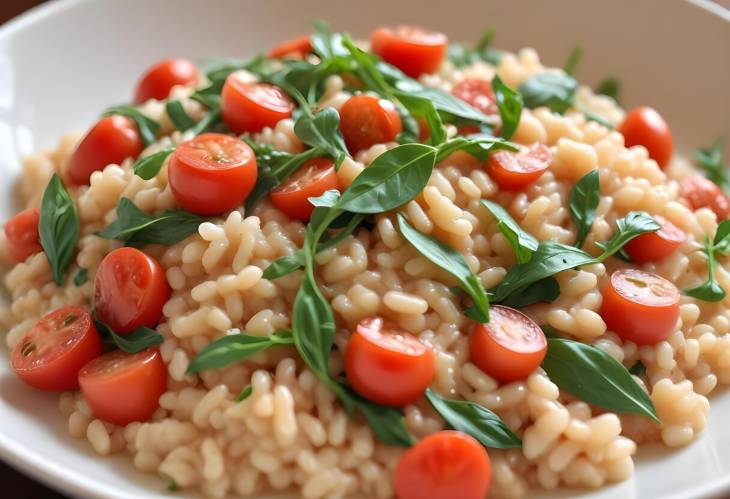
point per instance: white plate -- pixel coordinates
(64, 62)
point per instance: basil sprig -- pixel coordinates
(232, 348)
(149, 166)
(592, 375)
(545, 290)
(609, 87)
(509, 103)
(81, 277)
(584, 198)
(245, 393)
(632, 225)
(556, 91)
(322, 130)
(176, 112)
(710, 290)
(710, 161)
(140, 339)
(58, 227)
(461, 56)
(147, 126)
(523, 243)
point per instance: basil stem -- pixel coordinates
(58, 227)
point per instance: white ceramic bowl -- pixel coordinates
(64, 62)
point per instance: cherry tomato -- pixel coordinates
(160, 78)
(249, 107)
(21, 235)
(387, 365)
(477, 93)
(640, 306)
(112, 140)
(701, 192)
(509, 347)
(121, 387)
(644, 126)
(312, 179)
(445, 465)
(412, 50)
(130, 290)
(516, 170)
(50, 355)
(655, 246)
(366, 120)
(212, 173)
(297, 48)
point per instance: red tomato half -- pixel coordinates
(249, 107)
(112, 140)
(477, 93)
(160, 78)
(366, 120)
(297, 48)
(655, 246)
(121, 387)
(701, 192)
(212, 173)
(130, 290)
(387, 365)
(509, 347)
(412, 50)
(445, 465)
(640, 306)
(21, 235)
(516, 170)
(53, 351)
(644, 126)
(312, 179)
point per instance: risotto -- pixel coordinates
(397, 269)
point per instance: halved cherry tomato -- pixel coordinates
(477, 93)
(312, 179)
(387, 365)
(640, 306)
(414, 51)
(444, 465)
(516, 170)
(160, 78)
(212, 173)
(366, 120)
(644, 126)
(50, 355)
(121, 387)
(297, 48)
(655, 246)
(701, 192)
(112, 140)
(21, 235)
(249, 107)
(509, 347)
(130, 290)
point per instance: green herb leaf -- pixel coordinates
(632, 225)
(234, 348)
(710, 161)
(323, 131)
(609, 87)
(81, 277)
(461, 56)
(509, 103)
(478, 145)
(553, 90)
(721, 242)
(245, 393)
(325, 43)
(386, 422)
(523, 243)
(424, 108)
(544, 290)
(638, 369)
(597, 118)
(58, 227)
(140, 339)
(709, 291)
(584, 199)
(549, 331)
(592, 375)
(149, 166)
(284, 265)
(572, 62)
(147, 126)
(209, 122)
(176, 112)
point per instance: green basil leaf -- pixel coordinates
(711, 162)
(461, 56)
(209, 122)
(632, 225)
(638, 369)
(323, 131)
(234, 348)
(573, 60)
(509, 103)
(149, 166)
(81, 277)
(325, 43)
(209, 96)
(58, 227)
(140, 339)
(584, 198)
(478, 145)
(544, 290)
(284, 265)
(598, 119)
(424, 108)
(147, 126)
(450, 260)
(721, 241)
(447, 105)
(523, 243)
(245, 393)
(549, 331)
(609, 87)
(709, 291)
(176, 112)
(476, 421)
(553, 90)
(592, 375)
(386, 422)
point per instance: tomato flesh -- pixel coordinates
(640, 306)
(477, 93)
(516, 170)
(312, 179)
(121, 387)
(212, 173)
(130, 290)
(700, 192)
(366, 120)
(444, 465)
(296, 48)
(655, 246)
(21, 235)
(50, 355)
(386, 365)
(644, 126)
(250, 107)
(160, 78)
(412, 50)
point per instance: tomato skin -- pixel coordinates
(296, 48)
(700, 192)
(445, 465)
(644, 126)
(121, 388)
(509, 358)
(249, 107)
(516, 170)
(110, 141)
(477, 93)
(130, 290)
(366, 120)
(212, 173)
(656, 246)
(412, 50)
(59, 351)
(157, 82)
(638, 313)
(21, 235)
(312, 179)
(386, 365)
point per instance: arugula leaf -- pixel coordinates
(573, 59)
(584, 198)
(323, 131)
(147, 126)
(476, 421)
(592, 375)
(544, 290)
(632, 225)
(149, 166)
(553, 90)
(710, 161)
(325, 43)
(609, 87)
(245, 393)
(509, 103)
(523, 243)
(58, 227)
(176, 112)
(81, 277)
(236, 347)
(450, 260)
